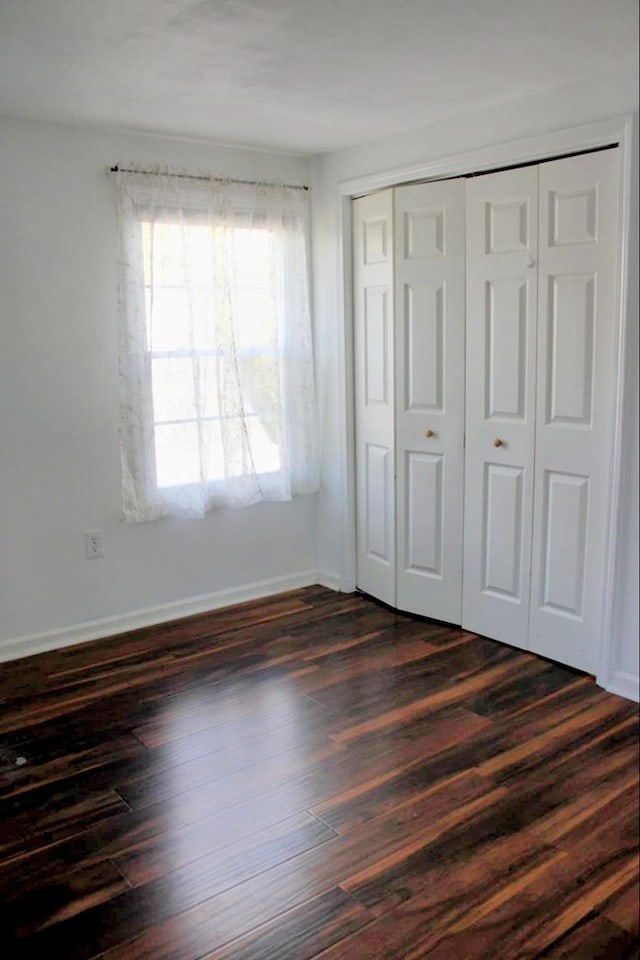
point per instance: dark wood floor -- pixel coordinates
(314, 776)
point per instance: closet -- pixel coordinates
(484, 334)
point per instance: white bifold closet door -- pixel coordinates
(502, 247)
(542, 265)
(409, 395)
(429, 311)
(575, 401)
(374, 395)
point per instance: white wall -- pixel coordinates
(59, 457)
(558, 109)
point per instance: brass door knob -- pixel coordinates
(498, 442)
(429, 433)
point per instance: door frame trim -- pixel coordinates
(544, 146)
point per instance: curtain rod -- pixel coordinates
(188, 176)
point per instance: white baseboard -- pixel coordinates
(27, 646)
(329, 579)
(624, 685)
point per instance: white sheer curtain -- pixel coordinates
(216, 368)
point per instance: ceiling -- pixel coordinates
(306, 76)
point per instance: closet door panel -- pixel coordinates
(424, 506)
(503, 533)
(429, 381)
(502, 239)
(374, 394)
(577, 290)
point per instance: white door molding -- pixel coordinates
(531, 149)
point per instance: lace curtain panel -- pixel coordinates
(216, 367)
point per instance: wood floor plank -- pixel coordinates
(301, 934)
(231, 767)
(64, 813)
(574, 737)
(517, 693)
(468, 657)
(371, 799)
(454, 842)
(348, 665)
(185, 847)
(593, 938)
(190, 875)
(230, 722)
(481, 742)
(59, 896)
(160, 836)
(606, 790)
(314, 777)
(461, 913)
(623, 908)
(414, 928)
(518, 728)
(375, 712)
(553, 904)
(37, 763)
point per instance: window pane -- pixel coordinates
(177, 459)
(178, 265)
(260, 374)
(266, 456)
(199, 254)
(184, 389)
(202, 306)
(253, 257)
(178, 451)
(165, 254)
(167, 319)
(207, 384)
(177, 253)
(255, 317)
(179, 319)
(212, 456)
(173, 389)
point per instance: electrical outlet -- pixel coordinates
(93, 544)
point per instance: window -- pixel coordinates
(216, 367)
